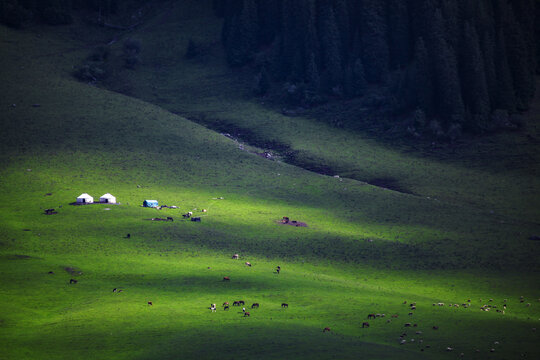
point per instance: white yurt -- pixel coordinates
(85, 199)
(107, 198)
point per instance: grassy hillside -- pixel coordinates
(365, 249)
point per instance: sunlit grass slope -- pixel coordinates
(365, 249)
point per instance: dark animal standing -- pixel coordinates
(326, 329)
(365, 324)
(241, 302)
(371, 316)
(235, 256)
(196, 219)
(246, 314)
(248, 264)
(255, 305)
(284, 305)
(128, 236)
(236, 303)
(169, 218)
(150, 303)
(186, 216)
(72, 281)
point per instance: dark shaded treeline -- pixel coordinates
(454, 60)
(59, 12)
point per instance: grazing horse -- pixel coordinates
(226, 278)
(236, 303)
(169, 218)
(365, 324)
(371, 316)
(248, 264)
(150, 303)
(235, 256)
(255, 305)
(241, 302)
(246, 314)
(196, 219)
(326, 329)
(284, 305)
(72, 281)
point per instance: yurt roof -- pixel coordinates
(107, 195)
(84, 195)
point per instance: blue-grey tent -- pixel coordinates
(150, 203)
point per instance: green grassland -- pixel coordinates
(462, 232)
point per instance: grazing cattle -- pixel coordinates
(410, 313)
(72, 281)
(226, 278)
(395, 315)
(169, 218)
(449, 349)
(435, 328)
(186, 216)
(285, 220)
(365, 324)
(403, 341)
(114, 290)
(413, 307)
(326, 329)
(440, 304)
(284, 305)
(236, 303)
(246, 314)
(235, 256)
(213, 307)
(408, 325)
(196, 219)
(203, 210)
(225, 303)
(371, 316)
(248, 264)
(226, 307)
(255, 305)
(150, 303)
(241, 302)
(51, 272)
(412, 304)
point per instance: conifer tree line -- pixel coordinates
(455, 60)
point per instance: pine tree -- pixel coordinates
(398, 33)
(447, 82)
(421, 78)
(375, 52)
(331, 45)
(505, 95)
(475, 91)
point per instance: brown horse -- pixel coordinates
(255, 305)
(326, 329)
(226, 278)
(365, 324)
(284, 305)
